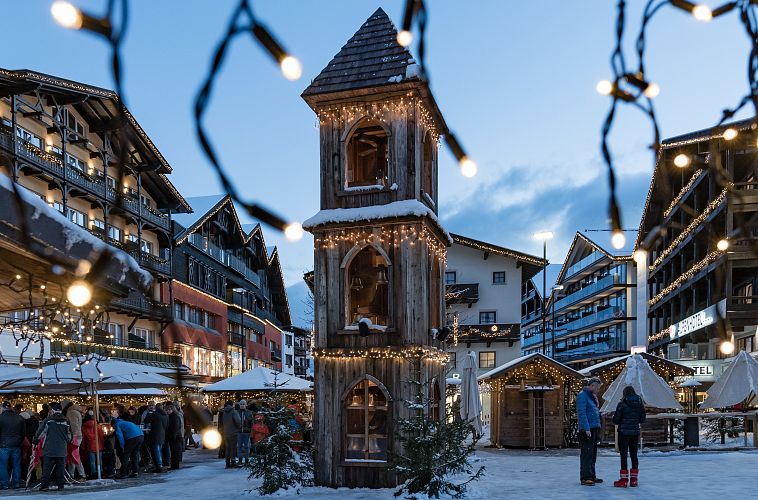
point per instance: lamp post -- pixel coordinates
(544, 236)
(552, 327)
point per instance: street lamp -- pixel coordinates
(544, 236)
(552, 328)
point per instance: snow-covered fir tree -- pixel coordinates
(282, 460)
(433, 449)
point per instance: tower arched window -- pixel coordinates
(367, 286)
(427, 165)
(366, 420)
(367, 156)
(435, 299)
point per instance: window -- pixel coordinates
(235, 360)
(76, 163)
(366, 415)
(452, 359)
(288, 340)
(450, 278)
(288, 359)
(427, 166)
(57, 205)
(498, 278)
(98, 225)
(147, 247)
(75, 124)
(179, 311)
(29, 137)
(367, 159)
(487, 317)
(487, 359)
(114, 233)
(144, 200)
(435, 300)
(131, 238)
(146, 337)
(368, 288)
(111, 182)
(118, 333)
(77, 217)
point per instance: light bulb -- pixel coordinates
(18, 276)
(702, 13)
(640, 257)
(66, 15)
(211, 439)
(722, 244)
(291, 68)
(729, 134)
(726, 347)
(652, 90)
(79, 293)
(293, 231)
(604, 87)
(681, 160)
(468, 167)
(404, 38)
(618, 240)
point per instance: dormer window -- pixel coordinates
(368, 288)
(367, 157)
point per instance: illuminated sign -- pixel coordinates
(699, 320)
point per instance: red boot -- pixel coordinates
(633, 479)
(622, 482)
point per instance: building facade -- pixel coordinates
(698, 236)
(483, 296)
(590, 311)
(62, 141)
(229, 305)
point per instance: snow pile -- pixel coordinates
(395, 79)
(75, 234)
(403, 208)
(372, 187)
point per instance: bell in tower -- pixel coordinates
(379, 255)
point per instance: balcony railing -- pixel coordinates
(590, 320)
(142, 305)
(236, 338)
(585, 262)
(276, 354)
(590, 290)
(92, 185)
(225, 257)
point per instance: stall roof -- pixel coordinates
(525, 360)
(609, 363)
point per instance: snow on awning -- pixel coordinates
(396, 209)
(61, 236)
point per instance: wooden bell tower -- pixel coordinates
(379, 256)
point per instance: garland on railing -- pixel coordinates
(683, 191)
(689, 229)
(686, 276)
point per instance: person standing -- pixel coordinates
(232, 424)
(12, 431)
(157, 421)
(57, 435)
(630, 413)
(243, 438)
(173, 436)
(31, 423)
(94, 446)
(73, 414)
(588, 413)
(130, 438)
(178, 410)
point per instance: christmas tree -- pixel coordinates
(282, 460)
(433, 449)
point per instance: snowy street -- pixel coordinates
(516, 474)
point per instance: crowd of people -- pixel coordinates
(72, 443)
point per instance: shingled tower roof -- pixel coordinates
(371, 58)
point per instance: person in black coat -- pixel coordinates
(630, 413)
(158, 422)
(12, 431)
(174, 440)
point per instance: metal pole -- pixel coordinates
(97, 429)
(544, 299)
(552, 324)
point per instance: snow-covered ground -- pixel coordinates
(510, 474)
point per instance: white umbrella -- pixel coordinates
(653, 390)
(738, 383)
(260, 379)
(471, 403)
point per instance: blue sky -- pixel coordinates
(515, 81)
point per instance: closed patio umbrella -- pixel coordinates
(471, 403)
(654, 391)
(738, 383)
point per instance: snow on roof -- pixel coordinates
(201, 205)
(588, 370)
(402, 208)
(506, 366)
(74, 233)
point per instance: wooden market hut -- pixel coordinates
(531, 402)
(654, 431)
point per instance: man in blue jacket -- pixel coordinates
(130, 437)
(588, 414)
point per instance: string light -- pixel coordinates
(389, 235)
(682, 160)
(730, 134)
(702, 13)
(66, 15)
(640, 257)
(723, 244)
(79, 293)
(684, 277)
(683, 191)
(211, 439)
(726, 347)
(390, 352)
(618, 239)
(404, 38)
(294, 231)
(291, 68)
(604, 87)
(652, 91)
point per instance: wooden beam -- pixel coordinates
(105, 125)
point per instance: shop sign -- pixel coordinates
(706, 370)
(697, 321)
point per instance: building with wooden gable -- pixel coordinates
(229, 303)
(62, 141)
(379, 254)
(701, 266)
(590, 312)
